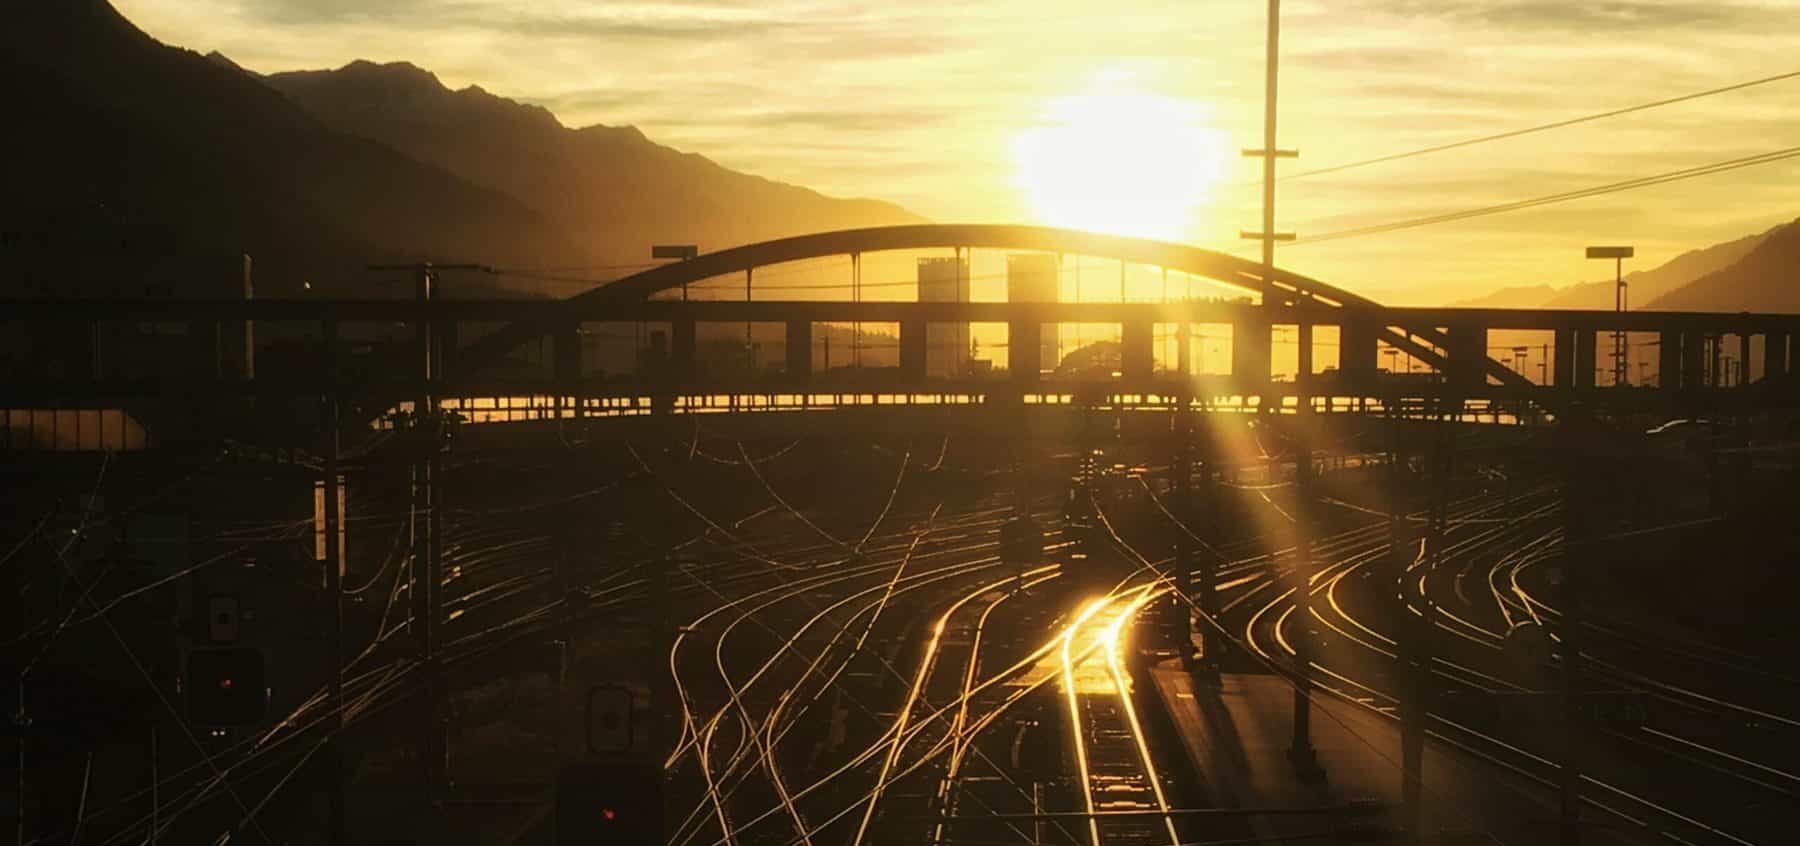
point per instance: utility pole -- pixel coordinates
(1300, 751)
(1269, 152)
(1416, 669)
(1185, 549)
(855, 327)
(1304, 757)
(1411, 779)
(428, 573)
(334, 586)
(426, 588)
(1578, 488)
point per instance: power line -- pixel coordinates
(1467, 142)
(1584, 193)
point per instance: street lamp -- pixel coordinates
(1618, 255)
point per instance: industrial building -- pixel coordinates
(945, 280)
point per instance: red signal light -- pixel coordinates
(609, 814)
(224, 684)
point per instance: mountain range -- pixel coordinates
(1743, 274)
(117, 139)
(607, 184)
(120, 143)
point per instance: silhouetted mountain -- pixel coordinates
(1767, 279)
(108, 127)
(608, 185)
(1645, 285)
(1524, 296)
(223, 60)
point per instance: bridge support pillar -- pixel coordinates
(565, 355)
(912, 351)
(682, 348)
(1775, 356)
(1468, 354)
(1137, 359)
(799, 352)
(447, 345)
(1303, 367)
(1584, 358)
(1693, 360)
(1024, 344)
(1563, 362)
(1250, 353)
(1668, 360)
(1357, 360)
(1184, 353)
(565, 365)
(1743, 367)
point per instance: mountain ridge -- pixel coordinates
(1764, 279)
(116, 132)
(117, 128)
(575, 174)
(1646, 288)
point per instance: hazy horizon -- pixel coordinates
(981, 112)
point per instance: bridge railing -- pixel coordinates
(206, 357)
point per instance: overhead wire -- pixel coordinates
(1542, 127)
(1712, 168)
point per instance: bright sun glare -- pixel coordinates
(1119, 159)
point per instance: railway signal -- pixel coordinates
(225, 687)
(617, 803)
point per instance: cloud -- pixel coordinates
(919, 101)
(1617, 17)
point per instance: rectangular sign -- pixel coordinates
(1610, 252)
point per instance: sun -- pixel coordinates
(1119, 159)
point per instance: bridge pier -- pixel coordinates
(683, 346)
(1357, 359)
(1184, 356)
(1468, 355)
(1715, 352)
(1024, 342)
(1775, 356)
(1562, 374)
(1250, 354)
(1693, 360)
(1668, 360)
(1585, 359)
(565, 365)
(912, 352)
(1743, 374)
(799, 353)
(1137, 345)
(1303, 365)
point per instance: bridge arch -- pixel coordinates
(1217, 266)
(1285, 286)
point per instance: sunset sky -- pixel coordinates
(1129, 115)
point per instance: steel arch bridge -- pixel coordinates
(1293, 295)
(435, 366)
